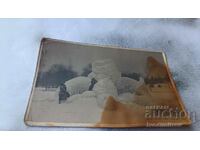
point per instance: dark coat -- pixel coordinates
(63, 94)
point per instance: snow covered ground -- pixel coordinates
(81, 108)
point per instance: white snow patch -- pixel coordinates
(88, 94)
(126, 97)
(78, 85)
(83, 96)
(104, 88)
(125, 84)
(102, 69)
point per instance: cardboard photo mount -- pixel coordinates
(85, 85)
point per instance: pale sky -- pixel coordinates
(79, 56)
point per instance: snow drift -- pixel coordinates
(78, 85)
(106, 68)
(128, 85)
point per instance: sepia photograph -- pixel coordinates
(99, 74)
(95, 86)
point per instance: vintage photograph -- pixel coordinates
(85, 85)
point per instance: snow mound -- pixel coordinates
(73, 98)
(103, 89)
(102, 69)
(126, 97)
(84, 95)
(78, 85)
(88, 94)
(128, 85)
(91, 75)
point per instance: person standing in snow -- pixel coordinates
(93, 82)
(63, 94)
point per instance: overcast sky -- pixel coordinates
(79, 56)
